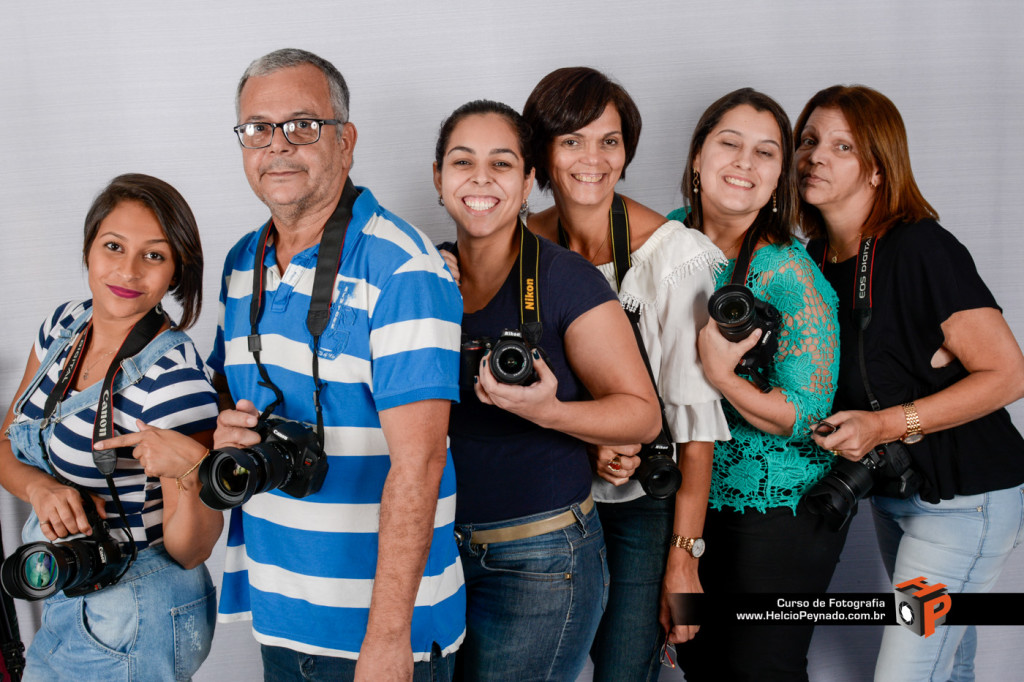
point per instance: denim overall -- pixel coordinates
(157, 622)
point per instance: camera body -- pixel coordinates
(511, 359)
(738, 313)
(658, 473)
(886, 469)
(288, 458)
(77, 565)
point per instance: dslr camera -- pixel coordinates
(288, 458)
(511, 360)
(738, 313)
(77, 565)
(886, 468)
(658, 474)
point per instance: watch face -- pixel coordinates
(913, 438)
(698, 547)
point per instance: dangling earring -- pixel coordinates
(775, 208)
(696, 182)
(440, 201)
(525, 208)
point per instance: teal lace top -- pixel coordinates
(756, 470)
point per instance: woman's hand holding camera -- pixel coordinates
(536, 402)
(721, 356)
(614, 464)
(59, 508)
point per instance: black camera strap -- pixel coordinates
(739, 273)
(618, 235)
(862, 302)
(328, 261)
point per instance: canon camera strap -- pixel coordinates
(328, 260)
(141, 334)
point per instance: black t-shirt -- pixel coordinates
(507, 467)
(921, 275)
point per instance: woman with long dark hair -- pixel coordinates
(741, 193)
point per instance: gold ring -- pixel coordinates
(836, 453)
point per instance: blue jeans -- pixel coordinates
(628, 642)
(155, 624)
(281, 664)
(533, 605)
(963, 543)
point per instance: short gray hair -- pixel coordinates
(289, 57)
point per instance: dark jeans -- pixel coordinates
(285, 665)
(773, 552)
(532, 604)
(629, 639)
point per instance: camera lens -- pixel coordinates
(510, 361)
(40, 570)
(732, 307)
(227, 478)
(835, 496)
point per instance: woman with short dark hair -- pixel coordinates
(585, 132)
(929, 361)
(117, 361)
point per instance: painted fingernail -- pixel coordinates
(536, 354)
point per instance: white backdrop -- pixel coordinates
(90, 90)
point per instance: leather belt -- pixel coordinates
(531, 528)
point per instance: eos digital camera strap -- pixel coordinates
(328, 260)
(618, 235)
(862, 301)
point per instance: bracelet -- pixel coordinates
(191, 469)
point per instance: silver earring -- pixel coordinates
(440, 201)
(525, 208)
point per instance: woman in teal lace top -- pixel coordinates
(758, 539)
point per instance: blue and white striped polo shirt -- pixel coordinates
(303, 569)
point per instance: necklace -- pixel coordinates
(85, 371)
(835, 254)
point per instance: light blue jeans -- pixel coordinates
(155, 624)
(533, 605)
(963, 543)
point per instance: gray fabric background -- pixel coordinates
(90, 90)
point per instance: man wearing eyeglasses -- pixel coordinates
(361, 578)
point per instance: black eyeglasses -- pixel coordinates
(260, 134)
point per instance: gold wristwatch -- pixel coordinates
(913, 434)
(695, 546)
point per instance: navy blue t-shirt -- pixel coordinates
(507, 467)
